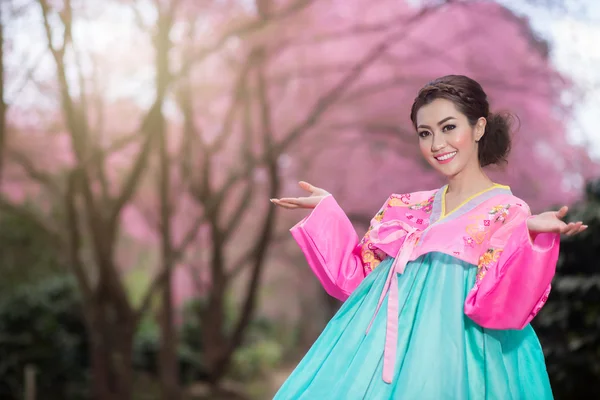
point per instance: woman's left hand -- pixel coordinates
(551, 221)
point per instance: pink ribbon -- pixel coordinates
(395, 230)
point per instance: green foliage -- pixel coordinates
(569, 325)
(256, 360)
(260, 352)
(42, 325)
(27, 255)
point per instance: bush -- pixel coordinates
(260, 352)
(27, 254)
(42, 325)
(256, 360)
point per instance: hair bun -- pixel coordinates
(495, 144)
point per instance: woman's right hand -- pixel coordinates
(316, 195)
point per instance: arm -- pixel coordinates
(513, 280)
(331, 247)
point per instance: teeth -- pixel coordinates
(447, 156)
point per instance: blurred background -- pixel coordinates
(140, 142)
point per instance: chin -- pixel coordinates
(448, 170)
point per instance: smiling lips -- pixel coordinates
(445, 158)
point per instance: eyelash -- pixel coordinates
(449, 127)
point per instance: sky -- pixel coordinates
(574, 36)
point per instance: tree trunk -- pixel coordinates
(168, 368)
(213, 335)
(111, 346)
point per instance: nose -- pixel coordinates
(437, 143)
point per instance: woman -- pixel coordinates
(459, 273)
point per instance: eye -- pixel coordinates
(449, 127)
(424, 134)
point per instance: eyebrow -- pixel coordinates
(439, 123)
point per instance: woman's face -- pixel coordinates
(446, 139)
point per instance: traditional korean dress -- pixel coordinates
(437, 303)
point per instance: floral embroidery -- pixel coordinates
(469, 241)
(399, 200)
(396, 200)
(368, 256)
(479, 230)
(371, 257)
(425, 206)
(476, 230)
(499, 212)
(488, 258)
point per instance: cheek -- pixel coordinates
(425, 147)
(461, 139)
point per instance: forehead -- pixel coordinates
(437, 110)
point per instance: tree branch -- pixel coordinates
(246, 28)
(245, 260)
(236, 98)
(160, 278)
(236, 216)
(74, 238)
(259, 249)
(246, 150)
(336, 92)
(34, 173)
(342, 34)
(77, 126)
(259, 252)
(133, 177)
(189, 237)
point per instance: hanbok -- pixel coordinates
(437, 302)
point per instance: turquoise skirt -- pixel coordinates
(442, 354)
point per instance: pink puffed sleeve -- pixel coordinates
(513, 280)
(331, 247)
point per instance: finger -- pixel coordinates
(582, 228)
(295, 200)
(284, 204)
(307, 186)
(565, 229)
(562, 212)
(572, 228)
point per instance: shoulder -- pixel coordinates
(400, 205)
(507, 210)
(410, 199)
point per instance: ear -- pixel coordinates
(480, 128)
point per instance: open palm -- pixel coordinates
(551, 221)
(316, 195)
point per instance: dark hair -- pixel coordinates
(470, 99)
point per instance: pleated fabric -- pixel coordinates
(441, 353)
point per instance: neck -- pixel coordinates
(468, 182)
